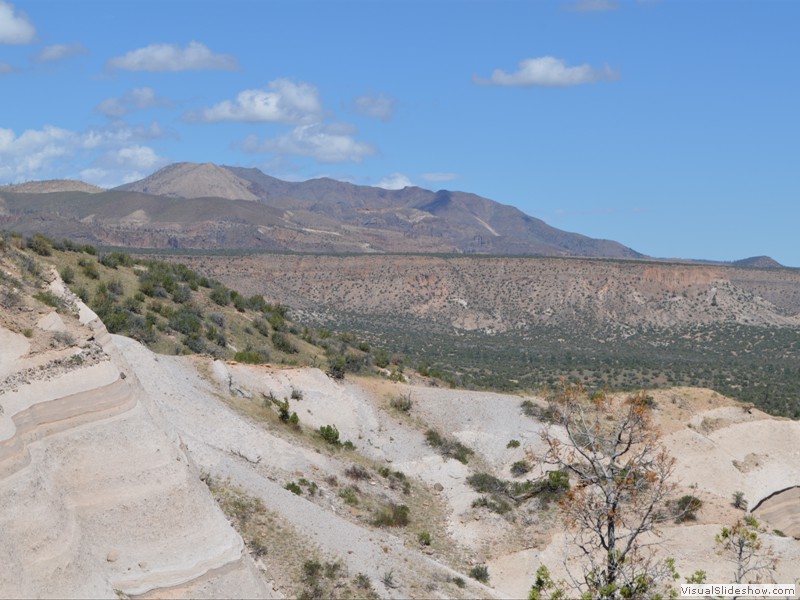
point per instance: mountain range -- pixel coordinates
(189, 205)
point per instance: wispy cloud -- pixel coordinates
(439, 176)
(377, 106)
(171, 57)
(60, 52)
(15, 27)
(547, 71)
(135, 99)
(283, 101)
(593, 6)
(6, 68)
(394, 181)
(326, 143)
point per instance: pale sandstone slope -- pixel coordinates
(98, 497)
(705, 432)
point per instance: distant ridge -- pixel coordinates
(52, 186)
(335, 216)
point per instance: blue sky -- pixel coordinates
(670, 126)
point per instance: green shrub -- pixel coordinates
(402, 402)
(220, 295)
(277, 322)
(116, 259)
(252, 357)
(381, 358)
(40, 244)
(312, 572)
(545, 415)
(90, 270)
(49, 298)
(424, 538)
(448, 448)
(330, 434)
(480, 573)
(513, 444)
(520, 468)
(261, 326)
(185, 321)
(546, 489)
(392, 515)
(362, 582)
(115, 287)
(181, 294)
(350, 495)
(356, 472)
(493, 503)
(282, 343)
(336, 369)
(67, 274)
(687, 507)
(294, 488)
(195, 344)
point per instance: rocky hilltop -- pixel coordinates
(191, 180)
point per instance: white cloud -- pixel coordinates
(25, 156)
(135, 99)
(6, 68)
(325, 143)
(60, 51)
(53, 152)
(376, 106)
(137, 157)
(120, 134)
(123, 165)
(15, 28)
(593, 6)
(439, 176)
(284, 101)
(171, 57)
(394, 181)
(547, 71)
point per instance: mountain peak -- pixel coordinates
(193, 180)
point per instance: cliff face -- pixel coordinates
(506, 293)
(99, 496)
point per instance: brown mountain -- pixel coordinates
(470, 223)
(209, 206)
(758, 262)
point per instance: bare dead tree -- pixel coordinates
(620, 474)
